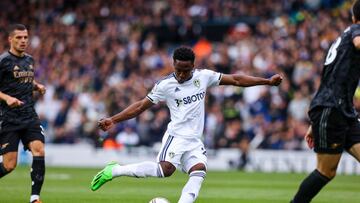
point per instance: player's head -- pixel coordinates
(18, 38)
(356, 11)
(184, 58)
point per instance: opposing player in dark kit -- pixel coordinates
(335, 125)
(18, 119)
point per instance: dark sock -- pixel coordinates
(37, 174)
(310, 187)
(3, 171)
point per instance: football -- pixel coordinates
(159, 200)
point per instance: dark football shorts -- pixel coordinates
(10, 136)
(332, 131)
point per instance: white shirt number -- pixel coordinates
(332, 52)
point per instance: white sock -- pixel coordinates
(34, 197)
(191, 190)
(139, 170)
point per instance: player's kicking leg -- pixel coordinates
(103, 176)
(139, 170)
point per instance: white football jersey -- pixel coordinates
(186, 101)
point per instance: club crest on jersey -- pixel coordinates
(171, 154)
(197, 83)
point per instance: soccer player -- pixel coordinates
(334, 123)
(184, 93)
(18, 119)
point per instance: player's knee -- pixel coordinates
(198, 167)
(38, 151)
(10, 165)
(198, 173)
(329, 173)
(168, 168)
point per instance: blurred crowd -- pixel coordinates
(97, 57)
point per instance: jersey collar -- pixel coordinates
(15, 55)
(192, 75)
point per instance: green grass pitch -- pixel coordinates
(72, 185)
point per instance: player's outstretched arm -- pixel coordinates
(130, 112)
(248, 81)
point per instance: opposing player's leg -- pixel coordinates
(194, 163)
(355, 151)
(325, 172)
(353, 140)
(329, 129)
(9, 143)
(160, 169)
(37, 169)
(33, 140)
(8, 164)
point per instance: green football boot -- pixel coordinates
(103, 176)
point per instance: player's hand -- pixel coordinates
(275, 80)
(40, 88)
(13, 102)
(105, 124)
(309, 138)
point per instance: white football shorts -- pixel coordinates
(183, 153)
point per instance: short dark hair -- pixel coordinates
(14, 27)
(356, 10)
(184, 54)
